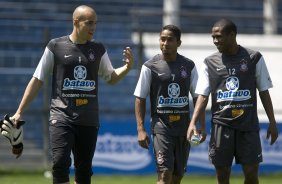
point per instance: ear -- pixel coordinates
(75, 22)
(179, 43)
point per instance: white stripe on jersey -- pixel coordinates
(263, 79)
(142, 89)
(46, 63)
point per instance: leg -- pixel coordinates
(176, 179)
(223, 174)
(221, 151)
(164, 177)
(182, 149)
(83, 152)
(249, 155)
(164, 157)
(251, 174)
(61, 141)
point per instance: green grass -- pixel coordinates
(19, 177)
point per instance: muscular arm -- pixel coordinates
(267, 104)
(30, 92)
(198, 114)
(140, 109)
(202, 122)
(120, 72)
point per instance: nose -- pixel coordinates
(165, 42)
(215, 41)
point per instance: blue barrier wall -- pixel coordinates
(118, 152)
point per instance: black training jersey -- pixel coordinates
(233, 84)
(74, 80)
(169, 86)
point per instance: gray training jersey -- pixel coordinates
(75, 68)
(233, 80)
(168, 84)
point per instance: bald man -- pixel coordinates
(75, 62)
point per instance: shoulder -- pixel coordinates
(252, 53)
(58, 41)
(96, 46)
(155, 59)
(185, 60)
(96, 43)
(215, 55)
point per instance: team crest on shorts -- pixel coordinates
(160, 158)
(211, 151)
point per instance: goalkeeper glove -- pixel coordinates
(14, 133)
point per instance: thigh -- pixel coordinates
(221, 145)
(84, 145)
(163, 151)
(248, 148)
(61, 142)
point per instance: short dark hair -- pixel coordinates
(227, 25)
(174, 29)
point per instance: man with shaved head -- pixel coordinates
(232, 76)
(75, 62)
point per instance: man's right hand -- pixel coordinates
(14, 133)
(143, 139)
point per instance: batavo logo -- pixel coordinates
(120, 152)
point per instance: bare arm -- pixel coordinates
(140, 109)
(30, 92)
(198, 114)
(267, 104)
(202, 123)
(120, 72)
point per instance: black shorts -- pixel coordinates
(81, 141)
(171, 153)
(227, 143)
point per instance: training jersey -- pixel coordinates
(75, 69)
(168, 84)
(232, 81)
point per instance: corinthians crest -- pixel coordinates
(91, 55)
(243, 65)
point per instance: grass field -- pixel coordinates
(19, 177)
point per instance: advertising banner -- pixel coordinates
(118, 152)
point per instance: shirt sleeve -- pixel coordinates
(142, 89)
(45, 65)
(193, 82)
(105, 69)
(203, 84)
(263, 79)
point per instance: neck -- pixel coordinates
(169, 57)
(234, 50)
(74, 38)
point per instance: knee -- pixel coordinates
(223, 174)
(251, 174)
(60, 170)
(176, 179)
(83, 176)
(164, 177)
